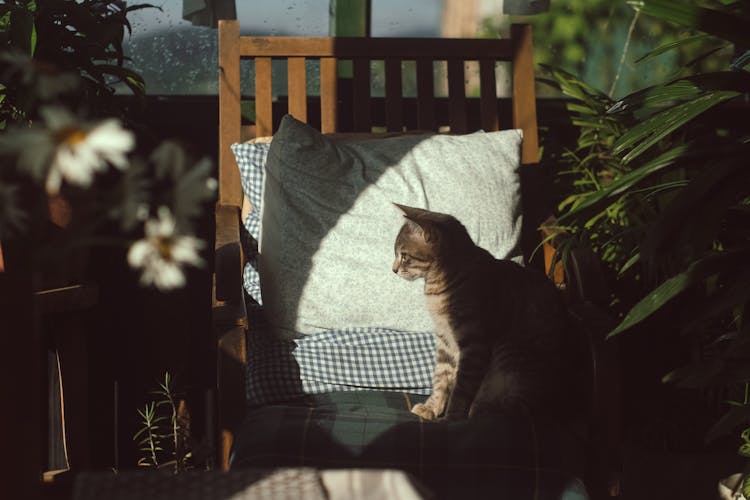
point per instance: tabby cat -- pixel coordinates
(499, 325)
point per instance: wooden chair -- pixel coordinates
(346, 105)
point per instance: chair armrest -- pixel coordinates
(228, 256)
(229, 319)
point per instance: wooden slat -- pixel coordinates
(425, 95)
(328, 95)
(524, 97)
(457, 93)
(230, 191)
(362, 114)
(375, 48)
(297, 88)
(488, 95)
(248, 132)
(394, 114)
(263, 97)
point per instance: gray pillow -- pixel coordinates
(328, 222)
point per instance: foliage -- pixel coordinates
(63, 37)
(57, 149)
(682, 150)
(164, 436)
(587, 39)
(590, 165)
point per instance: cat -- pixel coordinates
(499, 326)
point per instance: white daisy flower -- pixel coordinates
(80, 152)
(162, 253)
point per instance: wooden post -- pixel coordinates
(524, 95)
(230, 192)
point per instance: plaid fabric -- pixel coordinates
(250, 158)
(342, 360)
(250, 275)
(492, 457)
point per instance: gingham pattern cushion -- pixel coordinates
(251, 157)
(342, 360)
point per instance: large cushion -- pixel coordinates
(328, 223)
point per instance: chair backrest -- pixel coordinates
(354, 109)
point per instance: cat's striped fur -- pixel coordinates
(499, 326)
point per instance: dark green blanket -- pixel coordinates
(496, 457)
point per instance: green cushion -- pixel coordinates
(493, 457)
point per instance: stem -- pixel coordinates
(152, 443)
(175, 434)
(168, 393)
(624, 52)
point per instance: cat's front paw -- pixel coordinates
(423, 411)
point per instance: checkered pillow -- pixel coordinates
(350, 359)
(251, 158)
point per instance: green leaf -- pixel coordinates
(138, 434)
(630, 263)
(671, 288)
(128, 76)
(723, 25)
(625, 182)
(646, 134)
(579, 108)
(691, 221)
(22, 30)
(671, 46)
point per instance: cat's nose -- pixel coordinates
(395, 269)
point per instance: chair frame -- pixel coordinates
(344, 105)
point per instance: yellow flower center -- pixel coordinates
(164, 247)
(70, 136)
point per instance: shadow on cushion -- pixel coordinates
(492, 457)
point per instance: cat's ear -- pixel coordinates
(411, 213)
(419, 217)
